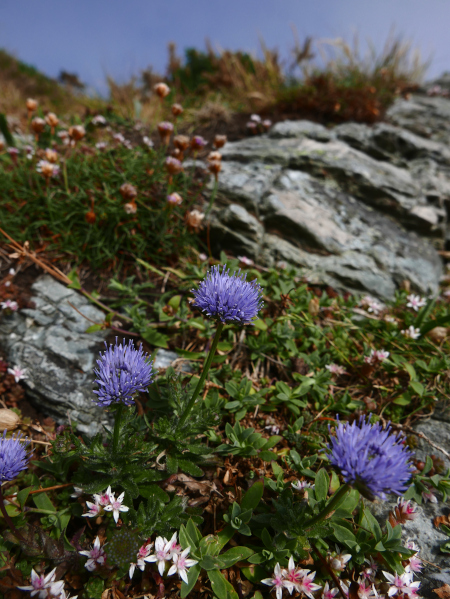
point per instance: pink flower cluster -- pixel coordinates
(106, 502)
(376, 356)
(293, 579)
(45, 587)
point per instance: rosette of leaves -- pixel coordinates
(100, 465)
(245, 442)
(180, 443)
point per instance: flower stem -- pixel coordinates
(117, 426)
(213, 197)
(329, 507)
(206, 368)
(8, 520)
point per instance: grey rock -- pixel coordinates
(436, 569)
(286, 129)
(50, 342)
(426, 116)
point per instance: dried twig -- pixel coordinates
(408, 429)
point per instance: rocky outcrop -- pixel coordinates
(50, 342)
(358, 207)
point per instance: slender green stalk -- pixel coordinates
(202, 379)
(213, 197)
(329, 507)
(117, 427)
(8, 520)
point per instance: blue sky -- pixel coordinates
(120, 37)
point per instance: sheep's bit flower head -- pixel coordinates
(13, 457)
(228, 298)
(122, 371)
(370, 458)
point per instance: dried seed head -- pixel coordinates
(174, 198)
(38, 125)
(52, 120)
(51, 155)
(194, 220)
(173, 166)
(128, 191)
(165, 131)
(215, 167)
(198, 142)
(177, 109)
(130, 207)
(181, 142)
(162, 90)
(77, 132)
(214, 157)
(9, 420)
(31, 104)
(220, 141)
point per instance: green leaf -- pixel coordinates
(5, 130)
(371, 523)
(254, 574)
(155, 338)
(321, 485)
(343, 535)
(417, 387)
(22, 496)
(193, 532)
(220, 586)
(235, 554)
(267, 456)
(94, 328)
(193, 575)
(210, 562)
(253, 496)
(225, 535)
(42, 501)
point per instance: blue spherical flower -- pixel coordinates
(122, 371)
(13, 457)
(229, 298)
(370, 458)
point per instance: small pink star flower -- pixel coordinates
(94, 510)
(143, 552)
(96, 556)
(10, 305)
(245, 260)
(328, 593)
(429, 496)
(104, 498)
(279, 582)
(335, 369)
(401, 584)
(415, 302)
(40, 584)
(339, 561)
(18, 373)
(162, 554)
(411, 332)
(306, 584)
(174, 547)
(376, 356)
(115, 506)
(302, 485)
(181, 563)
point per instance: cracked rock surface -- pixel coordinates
(360, 207)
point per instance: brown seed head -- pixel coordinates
(174, 198)
(214, 157)
(51, 155)
(181, 142)
(52, 120)
(128, 191)
(31, 104)
(77, 132)
(130, 207)
(215, 167)
(177, 109)
(9, 420)
(38, 125)
(220, 141)
(162, 90)
(173, 166)
(194, 220)
(165, 130)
